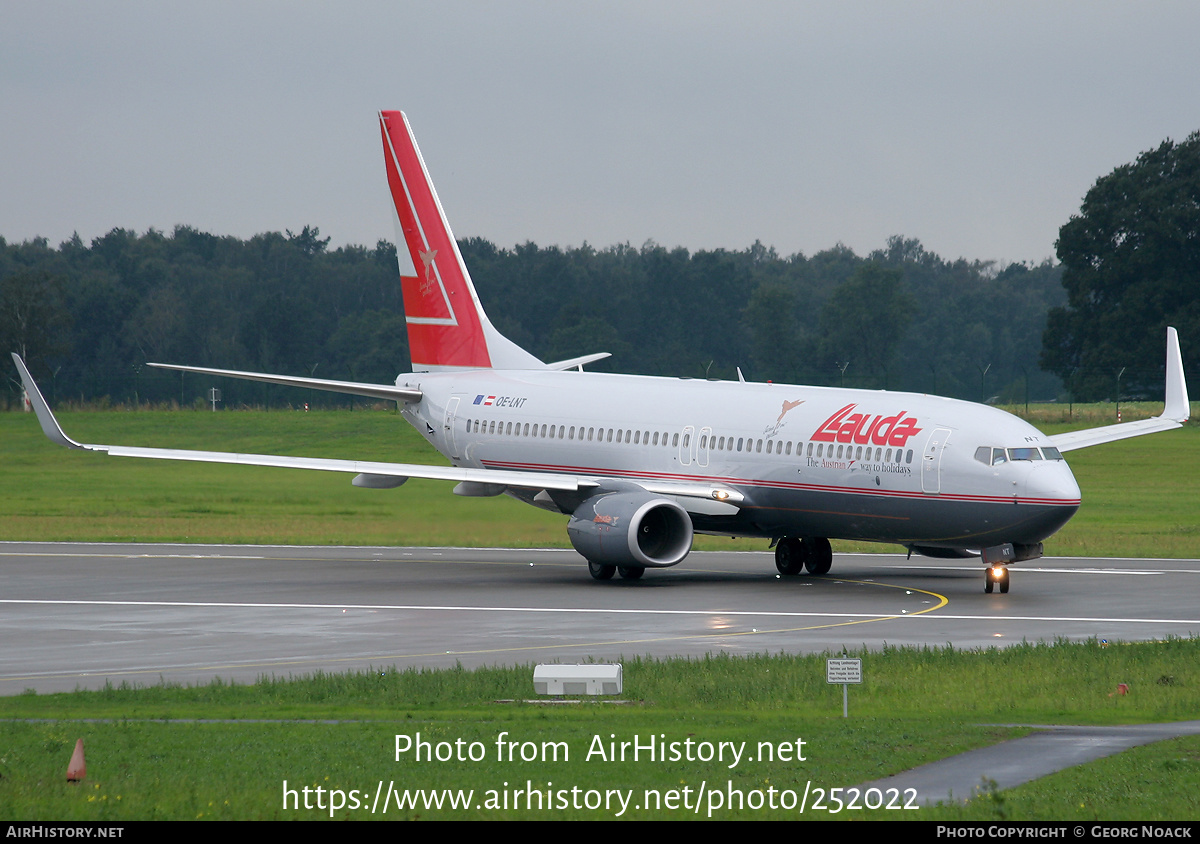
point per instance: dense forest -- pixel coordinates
(88, 316)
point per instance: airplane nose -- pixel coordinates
(1052, 486)
(1052, 482)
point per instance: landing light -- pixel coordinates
(720, 494)
(996, 572)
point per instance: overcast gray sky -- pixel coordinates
(975, 127)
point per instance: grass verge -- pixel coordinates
(199, 752)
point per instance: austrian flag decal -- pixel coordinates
(862, 428)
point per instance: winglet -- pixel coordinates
(1175, 410)
(1176, 406)
(49, 424)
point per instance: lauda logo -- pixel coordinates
(847, 427)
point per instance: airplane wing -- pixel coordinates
(1175, 411)
(370, 473)
(375, 391)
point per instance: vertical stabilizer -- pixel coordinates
(447, 328)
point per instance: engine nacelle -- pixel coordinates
(634, 529)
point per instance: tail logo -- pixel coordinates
(430, 282)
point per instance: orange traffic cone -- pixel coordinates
(77, 769)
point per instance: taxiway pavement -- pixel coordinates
(80, 615)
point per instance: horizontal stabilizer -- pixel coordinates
(388, 392)
(580, 361)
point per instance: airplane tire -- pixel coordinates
(789, 555)
(631, 572)
(818, 558)
(987, 583)
(599, 571)
(1004, 583)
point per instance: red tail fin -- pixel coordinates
(447, 327)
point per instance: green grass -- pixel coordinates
(338, 731)
(1138, 494)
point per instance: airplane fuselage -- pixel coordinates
(810, 461)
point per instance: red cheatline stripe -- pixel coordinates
(757, 482)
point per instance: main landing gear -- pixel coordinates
(793, 554)
(995, 576)
(600, 571)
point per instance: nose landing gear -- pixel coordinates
(995, 576)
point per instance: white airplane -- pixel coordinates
(639, 464)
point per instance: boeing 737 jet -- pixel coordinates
(639, 464)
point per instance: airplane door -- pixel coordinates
(685, 445)
(702, 446)
(931, 461)
(451, 415)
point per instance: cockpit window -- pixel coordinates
(995, 456)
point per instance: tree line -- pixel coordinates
(87, 317)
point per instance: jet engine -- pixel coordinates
(631, 529)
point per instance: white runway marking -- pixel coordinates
(978, 569)
(603, 611)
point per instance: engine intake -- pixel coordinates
(631, 529)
